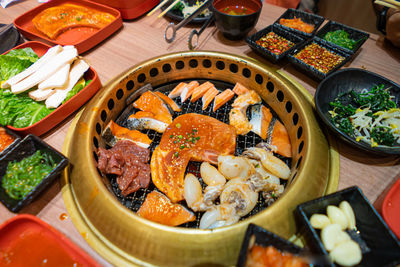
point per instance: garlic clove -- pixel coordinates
(347, 253)
(319, 221)
(348, 211)
(337, 216)
(329, 236)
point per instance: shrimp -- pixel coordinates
(192, 189)
(233, 167)
(271, 163)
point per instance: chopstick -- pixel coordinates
(157, 7)
(168, 8)
(387, 4)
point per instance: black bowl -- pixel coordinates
(235, 27)
(343, 81)
(256, 235)
(8, 39)
(378, 244)
(27, 147)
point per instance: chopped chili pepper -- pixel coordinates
(274, 43)
(298, 24)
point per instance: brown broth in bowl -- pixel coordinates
(236, 10)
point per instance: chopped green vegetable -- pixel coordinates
(22, 177)
(341, 38)
(76, 89)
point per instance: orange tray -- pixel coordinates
(20, 234)
(130, 9)
(66, 109)
(391, 208)
(83, 38)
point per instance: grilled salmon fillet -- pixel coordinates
(190, 137)
(55, 20)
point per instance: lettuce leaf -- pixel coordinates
(20, 110)
(15, 62)
(77, 88)
(24, 53)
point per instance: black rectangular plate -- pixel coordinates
(27, 147)
(379, 245)
(304, 16)
(354, 34)
(279, 30)
(311, 71)
(16, 141)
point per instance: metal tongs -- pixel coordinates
(175, 28)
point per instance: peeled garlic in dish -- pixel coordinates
(319, 221)
(332, 235)
(337, 216)
(347, 253)
(348, 211)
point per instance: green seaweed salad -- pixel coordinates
(23, 176)
(20, 110)
(370, 116)
(341, 38)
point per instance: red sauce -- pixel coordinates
(5, 139)
(36, 248)
(236, 10)
(271, 257)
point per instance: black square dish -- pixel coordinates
(309, 18)
(17, 139)
(354, 34)
(27, 147)
(259, 236)
(358, 80)
(251, 41)
(310, 70)
(379, 245)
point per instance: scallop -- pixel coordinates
(332, 235)
(347, 253)
(337, 216)
(234, 167)
(348, 211)
(319, 221)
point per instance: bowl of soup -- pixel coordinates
(236, 18)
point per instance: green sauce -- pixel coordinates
(341, 38)
(22, 177)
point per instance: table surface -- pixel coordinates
(143, 38)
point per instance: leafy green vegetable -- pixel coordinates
(20, 110)
(22, 177)
(341, 38)
(383, 136)
(24, 53)
(15, 62)
(378, 98)
(77, 88)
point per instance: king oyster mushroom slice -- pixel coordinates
(45, 71)
(41, 95)
(78, 69)
(57, 80)
(52, 52)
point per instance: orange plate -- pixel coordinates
(20, 235)
(83, 38)
(130, 9)
(391, 208)
(66, 109)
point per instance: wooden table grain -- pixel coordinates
(143, 38)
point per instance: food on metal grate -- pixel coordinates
(189, 137)
(55, 20)
(158, 208)
(222, 98)
(200, 91)
(188, 90)
(129, 162)
(169, 102)
(267, 127)
(274, 43)
(319, 57)
(5, 139)
(114, 133)
(151, 103)
(208, 97)
(240, 89)
(237, 116)
(270, 256)
(298, 24)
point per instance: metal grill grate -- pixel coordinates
(135, 200)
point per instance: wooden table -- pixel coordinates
(141, 39)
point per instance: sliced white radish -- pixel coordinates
(45, 71)
(40, 95)
(336, 215)
(77, 70)
(348, 211)
(347, 253)
(319, 221)
(35, 66)
(57, 80)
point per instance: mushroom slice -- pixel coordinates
(57, 80)
(40, 95)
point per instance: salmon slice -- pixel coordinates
(247, 99)
(261, 118)
(222, 98)
(188, 90)
(177, 90)
(209, 96)
(113, 133)
(143, 120)
(238, 119)
(150, 102)
(240, 89)
(200, 91)
(169, 101)
(158, 208)
(280, 139)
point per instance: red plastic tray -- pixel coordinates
(66, 109)
(83, 38)
(391, 208)
(34, 242)
(130, 9)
